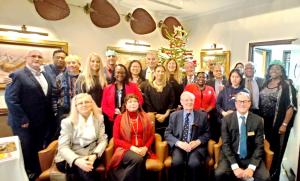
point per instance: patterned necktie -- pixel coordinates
(186, 128)
(243, 139)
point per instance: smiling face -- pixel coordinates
(120, 74)
(151, 60)
(249, 70)
(187, 100)
(201, 78)
(172, 66)
(95, 63)
(160, 73)
(135, 68)
(34, 59)
(275, 72)
(72, 66)
(242, 102)
(132, 105)
(218, 72)
(84, 106)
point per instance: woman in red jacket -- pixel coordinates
(133, 136)
(113, 96)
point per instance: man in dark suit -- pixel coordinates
(190, 76)
(29, 110)
(219, 80)
(243, 144)
(111, 62)
(151, 63)
(254, 85)
(187, 135)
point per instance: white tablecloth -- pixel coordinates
(12, 167)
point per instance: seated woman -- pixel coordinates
(82, 140)
(113, 96)
(133, 135)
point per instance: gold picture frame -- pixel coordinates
(13, 52)
(218, 57)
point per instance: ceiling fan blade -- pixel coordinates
(52, 9)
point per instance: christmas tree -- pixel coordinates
(177, 50)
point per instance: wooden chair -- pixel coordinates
(209, 161)
(268, 153)
(155, 165)
(48, 167)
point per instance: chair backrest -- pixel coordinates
(47, 155)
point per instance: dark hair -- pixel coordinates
(205, 74)
(141, 72)
(127, 97)
(59, 51)
(240, 75)
(239, 63)
(126, 79)
(268, 77)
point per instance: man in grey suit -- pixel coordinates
(243, 144)
(29, 110)
(187, 135)
(254, 85)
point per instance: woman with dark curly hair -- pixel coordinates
(114, 94)
(277, 107)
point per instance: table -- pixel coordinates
(11, 161)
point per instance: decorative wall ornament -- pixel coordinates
(141, 22)
(52, 9)
(167, 26)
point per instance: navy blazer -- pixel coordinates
(231, 138)
(200, 128)
(26, 100)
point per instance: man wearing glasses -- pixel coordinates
(28, 98)
(243, 144)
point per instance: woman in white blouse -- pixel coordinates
(82, 140)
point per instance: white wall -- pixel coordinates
(235, 29)
(77, 29)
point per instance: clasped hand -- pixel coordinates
(86, 163)
(139, 150)
(243, 174)
(188, 147)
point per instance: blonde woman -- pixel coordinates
(92, 79)
(82, 140)
(173, 75)
(160, 99)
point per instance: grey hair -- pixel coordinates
(187, 93)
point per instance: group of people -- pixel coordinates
(84, 109)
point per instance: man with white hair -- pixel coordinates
(151, 62)
(254, 85)
(111, 62)
(187, 135)
(243, 144)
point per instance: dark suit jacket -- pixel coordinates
(231, 138)
(211, 82)
(26, 100)
(185, 81)
(200, 128)
(260, 82)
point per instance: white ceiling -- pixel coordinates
(188, 8)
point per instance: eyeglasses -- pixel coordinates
(242, 101)
(83, 103)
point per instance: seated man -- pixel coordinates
(187, 134)
(243, 144)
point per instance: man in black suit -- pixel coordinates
(190, 76)
(187, 135)
(254, 85)
(29, 110)
(111, 62)
(243, 144)
(151, 62)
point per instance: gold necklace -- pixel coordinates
(137, 128)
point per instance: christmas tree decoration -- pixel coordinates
(176, 50)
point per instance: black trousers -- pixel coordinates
(32, 141)
(187, 166)
(225, 173)
(131, 168)
(75, 173)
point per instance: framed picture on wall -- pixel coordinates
(13, 52)
(127, 55)
(215, 57)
